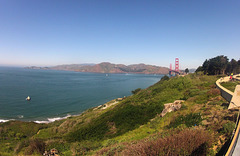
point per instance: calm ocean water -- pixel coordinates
(58, 94)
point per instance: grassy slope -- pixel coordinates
(107, 131)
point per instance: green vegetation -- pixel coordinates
(165, 77)
(227, 128)
(133, 125)
(185, 142)
(136, 90)
(192, 119)
(230, 85)
(220, 65)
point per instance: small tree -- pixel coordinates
(234, 65)
(186, 70)
(136, 90)
(165, 78)
(199, 69)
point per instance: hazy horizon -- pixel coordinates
(42, 66)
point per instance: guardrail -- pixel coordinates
(236, 77)
(232, 146)
(227, 94)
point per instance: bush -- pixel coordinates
(192, 119)
(35, 145)
(82, 148)
(190, 93)
(186, 142)
(165, 78)
(57, 144)
(136, 91)
(227, 128)
(213, 92)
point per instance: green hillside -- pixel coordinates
(134, 126)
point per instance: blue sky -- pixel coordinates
(53, 32)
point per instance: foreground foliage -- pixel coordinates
(184, 142)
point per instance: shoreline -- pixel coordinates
(53, 119)
(47, 121)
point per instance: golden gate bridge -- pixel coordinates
(176, 70)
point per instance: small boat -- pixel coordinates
(28, 98)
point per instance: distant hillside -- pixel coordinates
(192, 70)
(107, 67)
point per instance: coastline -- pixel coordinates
(48, 120)
(53, 119)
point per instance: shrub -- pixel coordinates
(192, 119)
(227, 128)
(35, 145)
(82, 148)
(165, 78)
(60, 145)
(213, 92)
(136, 90)
(186, 142)
(190, 93)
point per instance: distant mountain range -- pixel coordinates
(107, 67)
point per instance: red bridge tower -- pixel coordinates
(176, 71)
(177, 65)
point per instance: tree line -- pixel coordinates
(219, 65)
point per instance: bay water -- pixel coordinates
(59, 94)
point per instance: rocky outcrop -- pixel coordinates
(169, 107)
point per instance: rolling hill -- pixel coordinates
(106, 67)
